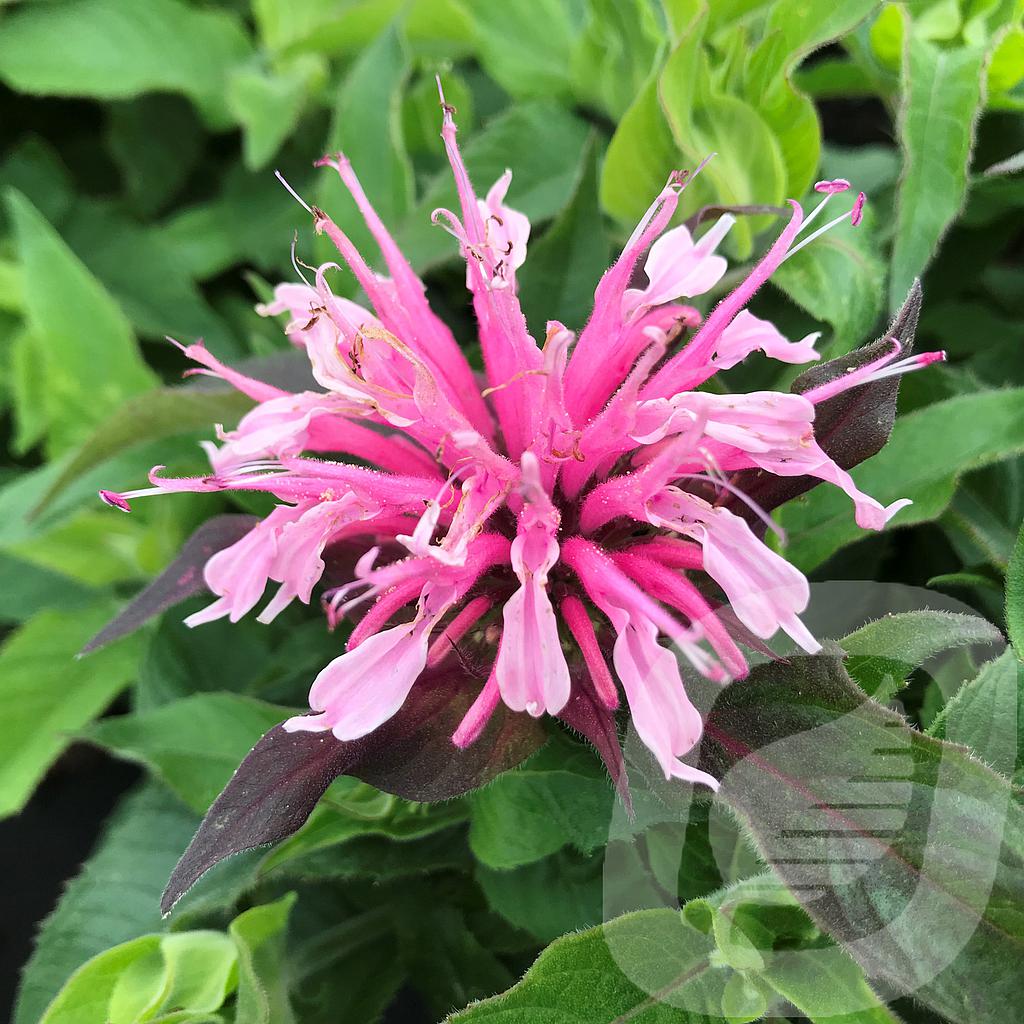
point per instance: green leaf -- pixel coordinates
(557, 282)
(549, 897)
(262, 989)
(268, 104)
(274, 662)
(154, 165)
(749, 166)
(560, 796)
(26, 589)
(86, 997)
(90, 357)
(45, 694)
(28, 391)
(869, 823)
(987, 715)
(367, 856)
(793, 30)
(447, 963)
(114, 899)
(35, 168)
(154, 416)
(351, 810)
(640, 155)
(195, 744)
(251, 220)
(616, 53)
(928, 451)
(525, 45)
(145, 274)
(190, 973)
(11, 292)
(830, 989)
(942, 90)
(109, 50)
(91, 548)
(883, 653)
(636, 968)
(1015, 594)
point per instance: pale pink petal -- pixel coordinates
(675, 374)
(747, 333)
(531, 669)
(677, 267)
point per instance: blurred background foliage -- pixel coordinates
(139, 139)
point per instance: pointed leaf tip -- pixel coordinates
(182, 579)
(277, 785)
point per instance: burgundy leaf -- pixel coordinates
(276, 787)
(590, 717)
(183, 578)
(850, 427)
(908, 851)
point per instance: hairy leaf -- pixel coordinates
(1015, 595)
(559, 797)
(278, 784)
(97, 910)
(884, 652)
(987, 715)
(262, 987)
(869, 822)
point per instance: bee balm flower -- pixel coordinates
(571, 511)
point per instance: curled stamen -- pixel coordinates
(512, 380)
(295, 261)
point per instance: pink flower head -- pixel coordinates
(574, 517)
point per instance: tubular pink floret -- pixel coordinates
(702, 345)
(438, 344)
(679, 593)
(576, 617)
(573, 489)
(463, 622)
(877, 369)
(257, 390)
(479, 714)
(388, 604)
(672, 552)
